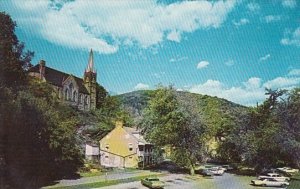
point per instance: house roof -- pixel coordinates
(56, 78)
(138, 135)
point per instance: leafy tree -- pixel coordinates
(37, 134)
(288, 113)
(169, 122)
(13, 59)
(101, 95)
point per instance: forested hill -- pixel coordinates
(217, 112)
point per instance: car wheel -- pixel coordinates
(283, 185)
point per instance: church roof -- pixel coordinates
(56, 78)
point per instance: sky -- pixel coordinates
(229, 49)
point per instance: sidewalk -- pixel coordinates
(106, 177)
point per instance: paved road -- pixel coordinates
(178, 181)
(109, 176)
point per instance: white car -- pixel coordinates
(269, 182)
(217, 170)
(275, 176)
(288, 170)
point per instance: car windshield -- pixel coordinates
(153, 179)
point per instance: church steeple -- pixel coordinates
(90, 66)
(90, 81)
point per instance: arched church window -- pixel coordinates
(71, 90)
(74, 96)
(66, 94)
(80, 98)
(86, 100)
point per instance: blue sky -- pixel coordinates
(230, 49)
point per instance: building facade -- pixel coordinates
(125, 147)
(72, 90)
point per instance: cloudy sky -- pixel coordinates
(230, 49)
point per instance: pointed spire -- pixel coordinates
(90, 67)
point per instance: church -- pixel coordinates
(74, 91)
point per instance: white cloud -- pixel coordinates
(249, 93)
(289, 3)
(105, 25)
(174, 36)
(253, 7)
(294, 72)
(264, 58)
(242, 21)
(178, 59)
(141, 86)
(202, 64)
(229, 63)
(282, 83)
(291, 38)
(272, 18)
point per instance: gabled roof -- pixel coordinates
(138, 135)
(56, 78)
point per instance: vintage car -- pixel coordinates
(288, 170)
(269, 182)
(152, 182)
(275, 176)
(217, 170)
(206, 173)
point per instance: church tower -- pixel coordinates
(90, 80)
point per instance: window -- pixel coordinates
(80, 98)
(66, 94)
(107, 146)
(74, 96)
(86, 100)
(130, 147)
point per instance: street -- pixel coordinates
(180, 181)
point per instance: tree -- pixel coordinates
(168, 121)
(288, 113)
(13, 61)
(101, 95)
(37, 134)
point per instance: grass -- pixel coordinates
(90, 174)
(295, 182)
(105, 183)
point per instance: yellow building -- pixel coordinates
(125, 147)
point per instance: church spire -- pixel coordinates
(90, 67)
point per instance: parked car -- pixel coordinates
(206, 172)
(227, 167)
(217, 170)
(269, 182)
(152, 182)
(275, 176)
(288, 170)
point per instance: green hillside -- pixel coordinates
(219, 114)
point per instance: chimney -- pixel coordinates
(42, 69)
(119, 124)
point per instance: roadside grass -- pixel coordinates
(91, 174)
(104, 183)
(295, 182)
(96, 172)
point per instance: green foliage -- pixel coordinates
(38, 135)
(106, 116)
(100, 96)
(13, 60)
(169, 121)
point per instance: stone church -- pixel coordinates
(77, 92)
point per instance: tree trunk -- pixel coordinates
(192, 170)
